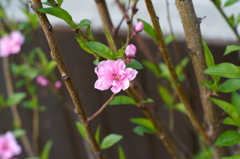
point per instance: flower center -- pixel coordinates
(116, 77)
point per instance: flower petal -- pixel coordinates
(131, 73)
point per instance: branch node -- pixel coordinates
(97, 153)
(49, 27)
(200, 19)
(65, 77)
(142, 107)
(32, 6)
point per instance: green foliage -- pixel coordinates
(230, 2)
(81, 130)
(102, 50)
(121, 99)
(143, 122)
(109, 38)
(230, 121)
(237, 156)
(208, 55)
(134, 64)
(15, 98)
(170, 38)
(205, 153)
(97, 134)
(166, 96)
(84, 46)
(227, 70)
(230, 85)
(235, 101)
(231, 48)
(60, 2)
(152, 67)
(218, 2)
(180, 107)
(231, 20)
(83, 23)
(110, 140)
(30, 104)
(207, 84)
(228, 138)
(149, 29)
(140, 130)
(46, 150)
(149, 100)
(60, 13)
(19, 132)
(121, 153)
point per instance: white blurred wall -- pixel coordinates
(213, 26)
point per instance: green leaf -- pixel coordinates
(231, 20)
(60, 13)
(166, 96)
(42, 56)
(110, 140)
(83, 23)
(101, 50)
(81, 130)
(50, 67)
(42, 108)
(121, 52)
(230, 2)
(19, 132)
(231, 48)
(134, 64)
(143, 122)
(152, 67)
(208, 55)
(15, 98)
(149, 100)
(228, 108)
(227, 70)
(60, 2)
(228, 138)
(205, 153)
(20, 83)
(237, 156)
(170, 38)
(2, 102)
(180, 107)
(31, 104)
(230, 121)
(238, 19)
(149, 29)
(84, 46)
(46, 150)
(89, 33)
(140, 130)
(121, 153)
(47, 3)
(97, 134)
(230, 85)
(109, 38)
(32, 158)
(218, 2)
(122, 100)
(207, 84)
(235, 101)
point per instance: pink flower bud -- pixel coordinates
(58, 84)
(138, 27)
(130, 51)
(42, 81)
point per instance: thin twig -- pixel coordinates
(101, 109)
(16, 117)
(165, 53)
(57, 57)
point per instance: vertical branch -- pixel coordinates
(194, 41)
(165, 53)
(14, 110)
(57, 57)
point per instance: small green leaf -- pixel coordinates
(231, 20)
(152, 67)
(15, 98)
(230, 2)
(231, 48)
(60, 13)
(230, 85)
(143, 122)
(121, 153)
(50, 67)
(46, 150)
(134, 64)
(97, 134)
(235, 101)
(166, 96)
(60, 2)
(228, 108)
(237, 156)
(31, 104)
(140, 130)
(89, 33)
(230, 121)
(207, 84)
(110, 140)
(218, 2)
(180, 107)
(122, 100)
(81, 130)
(238, 19)
(208, 55)
(83, 23)
(149, 100)
(101, 50)
(228, 138)
(149, 29)
(121, 52)
(227, 70)
(84, 46)
(109, 38)
(170, 38)
(47, 3)
(19, 132)
(20, 83)
(42, 56)
(32, 158)
(96, 61)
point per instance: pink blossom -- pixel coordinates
(113, 74)
(11, 44)
(9, 146)
(138, 27)
(42, 81)
(58, 84)
(130, 51)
